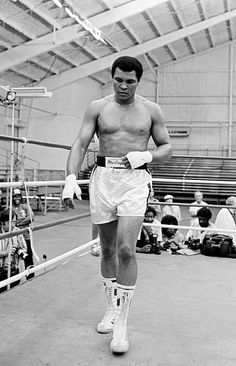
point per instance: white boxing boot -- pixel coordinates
(107, 323)
(120, 343)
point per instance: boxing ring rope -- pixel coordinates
(44, 226)
(51, 183)
(58, 183)
(24, 140)
(191, 227)
(67, 147)
(85, 181)
(44, 265)
(53, 260)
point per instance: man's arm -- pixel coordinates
(83, 139)
(77, 152)
(160, 135)
(161, 138)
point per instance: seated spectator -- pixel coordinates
(172, 239)
(198, 203)
(150, 236)
(25, 216)
(18, 247)
(203, 215)
(154, 202)
(225, 218)
(0, 200)
(171, 210)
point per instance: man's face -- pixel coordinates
(203, 222)
(198, 197)
(170, 231)
(17, 199)
(124, 84)
(233, 210)
(149, 217)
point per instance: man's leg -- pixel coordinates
(107, 234)
(95, 248)
(94, 231)
(127, 234)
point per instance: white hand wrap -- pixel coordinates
(138, 158)
(71, 188)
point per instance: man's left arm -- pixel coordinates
(160, 135)
(161, 138)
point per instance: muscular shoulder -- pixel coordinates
(96, 106)
(153, 108)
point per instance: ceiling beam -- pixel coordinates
(228, 23)
(182, 25)
(51, 22)
(168, 48)
(200, 53)
(202, 12)
(27, 34)
(18, 29)
(137, 40)
(135, 37)
(38, 12)
(20, 54)
(83, 71)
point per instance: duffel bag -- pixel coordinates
(217, 245)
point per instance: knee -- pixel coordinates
(108, 252)
(125, 253)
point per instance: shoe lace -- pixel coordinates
(110, 293)
(108, 316)
(111, 308)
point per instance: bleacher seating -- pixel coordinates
(195, 168)
(206, 169)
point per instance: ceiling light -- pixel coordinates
(58, 3)
(8, 94)
(85, 23)
(11, 96)
(69, 12)
(31, 92)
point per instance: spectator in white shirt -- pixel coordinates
(171, 210)
(225, 218)
(193, 209)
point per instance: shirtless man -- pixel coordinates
(119, 184)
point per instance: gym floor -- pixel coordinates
(182, 314)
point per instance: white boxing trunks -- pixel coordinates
(118, 192)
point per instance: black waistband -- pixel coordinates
(101, 161)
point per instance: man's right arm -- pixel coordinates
(78, 151)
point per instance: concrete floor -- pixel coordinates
(183, 312)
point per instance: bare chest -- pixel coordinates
(132, 119)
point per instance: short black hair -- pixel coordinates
(168, 220)
(151, 209)
(204, 212)
(5, 215)
(127, 63)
